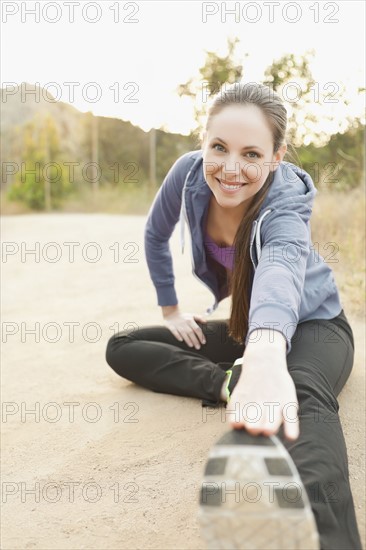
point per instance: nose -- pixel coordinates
(233, 167)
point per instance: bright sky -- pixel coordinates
(166, 46)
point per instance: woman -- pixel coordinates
(248, 212)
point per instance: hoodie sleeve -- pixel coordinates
(162, 217)
(280, 274)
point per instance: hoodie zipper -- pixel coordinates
(251, 243)
(256, 234)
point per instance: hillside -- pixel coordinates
(119, 141)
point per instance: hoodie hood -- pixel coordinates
(291, 188)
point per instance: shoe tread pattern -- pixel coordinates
(230, 513)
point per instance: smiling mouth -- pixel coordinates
(230, 186)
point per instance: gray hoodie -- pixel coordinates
(292, 283)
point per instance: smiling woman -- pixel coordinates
(243, 142)
(239, 191)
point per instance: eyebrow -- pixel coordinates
(247, 147)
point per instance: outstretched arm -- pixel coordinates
(265, 382)
(279, 277)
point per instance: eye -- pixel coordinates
(254, 153)
(217, 145)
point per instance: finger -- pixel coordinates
(199, 331)
(201, 336)
(272, 417)
(175, 333)
(292, 428)
(268, 424)
(201, 318)
(193, 336)
(189, 338)
(252, 430)
(271, 427)
(254, 417)
(194, 340)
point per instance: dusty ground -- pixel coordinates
(123, 470)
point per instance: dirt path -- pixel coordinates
(111, 465)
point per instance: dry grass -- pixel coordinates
(339, 219)
(110, 200)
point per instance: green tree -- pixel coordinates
(41, 182)
(215, 72)
(340, 164)
(335, 161)
(290, 76)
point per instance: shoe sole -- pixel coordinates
(252, 497)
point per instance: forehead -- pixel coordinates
(240, 122)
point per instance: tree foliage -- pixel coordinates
(40, 181)
(336, 161)
(216, 71)
(340, 164)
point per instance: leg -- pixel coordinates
(153, 358)
(320, 363)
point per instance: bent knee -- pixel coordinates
(114, 353)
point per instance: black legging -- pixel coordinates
(320, 362)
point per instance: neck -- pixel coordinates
(232, 216)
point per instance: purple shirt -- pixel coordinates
(224, 255)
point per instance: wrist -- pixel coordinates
(168, 310)
(266, 340)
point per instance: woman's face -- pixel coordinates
(238, 154)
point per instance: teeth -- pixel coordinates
(230, 186)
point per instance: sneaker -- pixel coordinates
(252, 497)
(234, 373)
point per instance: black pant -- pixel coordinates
(320, 362)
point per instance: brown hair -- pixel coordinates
(241, 281)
